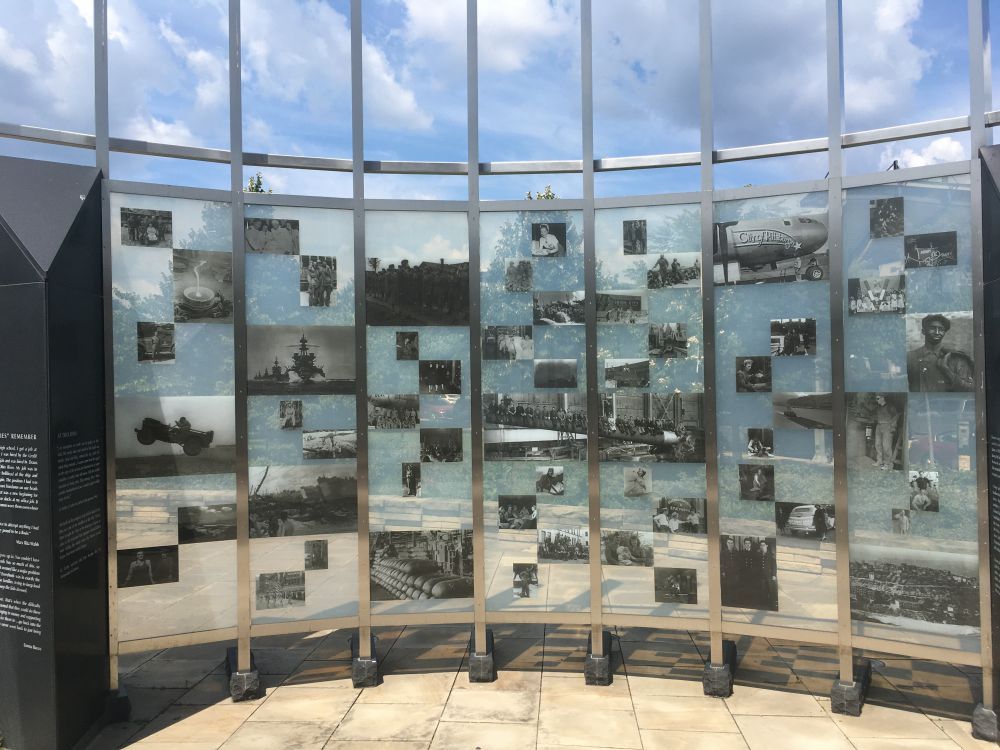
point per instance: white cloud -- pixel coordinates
(210, 70)
(938, 151)
(148, 128)
(15, 57)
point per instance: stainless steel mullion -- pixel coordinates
(708, 331)
(360, 328)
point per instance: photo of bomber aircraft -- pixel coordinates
(774, 249)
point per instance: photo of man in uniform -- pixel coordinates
(935, 367)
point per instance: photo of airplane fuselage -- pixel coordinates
(758, 243)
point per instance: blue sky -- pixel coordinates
(905, 61)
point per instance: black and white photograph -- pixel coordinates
(203, 286)
(508, 343)
(197, 524)
(636, 481)
(902, 521)
(939, 352)
(564, 546)
(525, 580)
(290, 415)
(760, 442)
(753, 374)
(623, 307)
(680, 515)
(550, 480)
(411, 479)
(930, 250)
(793, 337)
(807, 411)
(675, 585)
(756, 482)
(548, 240)
(393, 411)
(303, 500)
(155, 342)
(420, 564)
(274, 236)
(329, 444)
(558, 308)
(519, 276)
(174, 436)
(407, 345)
(924, 493)
(440, 376)
(440, 444)
(293, 360)
(430, 292)
(317, 554)
(772, 249)
(634, 236)
(280, 590)
(627, 548)
(535, 426)
(810, 521)
(749, 572)
(317, 280)
(876, 431)
(876, 294)
(517, 512)
(915, 589)
(670, 270)
(885, 217)
(149, 566)
(652, 427)
(555, 373)
(626, 373)
(147, 227)
(668, 341)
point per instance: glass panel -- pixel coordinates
(775, 423)
(911, 426)
(419, 437)
(654, 543)
(535, 485)
(301, 411)
(175, 430)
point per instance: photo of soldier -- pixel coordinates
(317, 280)
(930, 250)
(548, 240)
(756, 482)
(290, 415)
(673, 270)
(329, 444)
(924, 491)
(550, 480)
(440, 445)
(760, 442)
(407, 345)
(417, 293)
(303, 500)
(876, 430)
(877, 294)
(274, 236)
(753, 374)
(155, 342)
(749, 570)
(793, 337)
(146, 227)
(627, 548)
(517, 512)
(652, 427)
(558, 308)
(535, 426)
(626, 373)
(149, 566)
(519, 277)
(508, 343)
(440, 376)
(393, 411)
(934, 364)
(634, 236)
(637, 481)
(668, 341)
(623, 307)
(885, 217)
(675, 585)
(902, 521)
(564, 546)
(317, 554)
(411, 480)
(525, 580)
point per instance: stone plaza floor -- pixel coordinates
(180, 698)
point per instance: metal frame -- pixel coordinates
(977, 123)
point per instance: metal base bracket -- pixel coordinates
(243, 686)
(717, 679)
(482, 667)
(117, 706)
(364, 672)
(848, 697)
(984, 724)
(597, 669)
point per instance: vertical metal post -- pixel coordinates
(475, 335)
(980, 101)
(360, 327)
(103, 162)
(835, 252)
(243, 614)
(708, 330)
(590, 294)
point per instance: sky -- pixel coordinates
(905, 61)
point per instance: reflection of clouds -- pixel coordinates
(280, 478)
(416, 235)
(140, 271)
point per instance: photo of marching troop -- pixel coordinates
(668, 341)
(793, 337)
(440, 376)
(564, 546)
(626, 373)
(432, 293)
(508, 343)
(628, 548)
(623, 307)
(517, 512)
(519, 276)
(155, 342)
(559, 308)
(885, 218)
(876, 294)
(652, 427)
(329, 444)
(535, 426)
(680, 515)
(317, 280)
(440, 444)
(634, 236)
(411, 479)
(548, 240)
(407, 345)
(146, 227)
(760, 442)
(677, 270)
(279, 590)
(274, 236)
(393, 411)
(675, 585)
(876, 431)
(749, 572)
(924, 491)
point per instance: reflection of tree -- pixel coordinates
(670, 234)
(216, 230)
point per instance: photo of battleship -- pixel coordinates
(290, 360)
